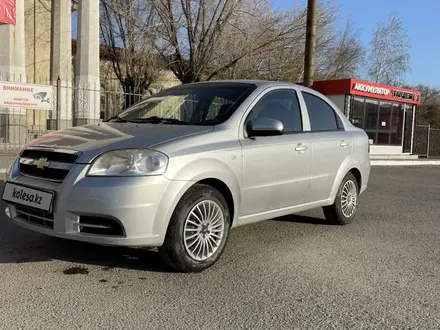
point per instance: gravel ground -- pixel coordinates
(297, 272)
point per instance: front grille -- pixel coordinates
(45, 164)
(35, 216)
(100, 226)
(52, 156)
(47, 173)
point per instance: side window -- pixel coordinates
(282, 105)
(321, 114)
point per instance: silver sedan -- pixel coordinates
(179, 169)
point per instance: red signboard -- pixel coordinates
(7, 11)
(367, 89)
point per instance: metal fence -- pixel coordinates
(79, 105)
(71, 106)
(427, 141)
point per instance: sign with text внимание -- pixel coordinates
(26, 96)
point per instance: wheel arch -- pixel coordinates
(224, 190)
(350, 165)
(210, 172)
(357, 174)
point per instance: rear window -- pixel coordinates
(321, 114)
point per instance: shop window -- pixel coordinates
(384, 123)
(384, 116)
(397, 124)
(371, 112)
(383, 138)
(372, 136)
(357, 112)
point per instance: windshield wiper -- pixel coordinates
(116, 119)
(158, 120)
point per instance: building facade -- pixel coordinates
(386, 113)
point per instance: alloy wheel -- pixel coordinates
(349, 199)
(203, 230)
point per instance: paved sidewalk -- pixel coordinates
(6, 159)
(409, 162)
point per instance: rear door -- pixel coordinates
(331, 145)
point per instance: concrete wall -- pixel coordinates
(37, 40)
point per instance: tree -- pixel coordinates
(128, 35)
(428, 112)
(342, 56)
(389, 54)
(275, 58)
(194, 34)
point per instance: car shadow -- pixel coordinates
(42, 248)
(303, 219)
(19, 245)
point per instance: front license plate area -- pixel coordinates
(31, 197)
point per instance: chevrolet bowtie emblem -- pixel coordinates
(41, 163)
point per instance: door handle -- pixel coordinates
(300, 148)
(344, 144)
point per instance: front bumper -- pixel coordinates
(139, 205)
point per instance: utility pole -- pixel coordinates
(309, 59)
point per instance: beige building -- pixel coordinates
(38, 49)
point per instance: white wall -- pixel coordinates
(385, 150)
(339, 100)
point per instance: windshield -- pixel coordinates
(198, 104)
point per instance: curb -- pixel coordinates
(405, 162)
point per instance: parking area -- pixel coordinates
(297, 272)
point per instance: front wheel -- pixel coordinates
(198, 230)
(343, 210)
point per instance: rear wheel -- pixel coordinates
(343, 210)
(198, 230)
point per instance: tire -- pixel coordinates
(338, 214)
(180, 251)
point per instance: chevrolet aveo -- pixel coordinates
(179, 169)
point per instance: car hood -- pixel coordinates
(91, 140)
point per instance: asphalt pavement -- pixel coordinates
(380, 272)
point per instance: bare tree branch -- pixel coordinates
(389, 52)
(128, 34)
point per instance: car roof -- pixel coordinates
(258, 83)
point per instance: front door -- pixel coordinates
(276, 168)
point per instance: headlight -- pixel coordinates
(129, 162)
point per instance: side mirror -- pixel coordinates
(265, 127)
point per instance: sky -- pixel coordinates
(421, 21)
